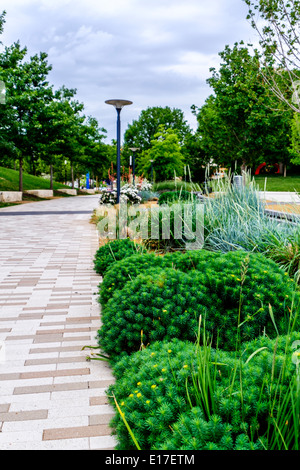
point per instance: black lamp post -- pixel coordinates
(134, 149)
(118, 104)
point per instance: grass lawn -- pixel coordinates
(9, 181)
(279, 183)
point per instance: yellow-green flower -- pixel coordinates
(163, 370)
(169, 351)
(147, 401)
(131, 395)
(139, 395)
(139, 383)
(153, 386)
(185, 366)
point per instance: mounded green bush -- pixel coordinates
(162, 303)
(126, 270)
(172, 196)
(114, 250)
(118, 274)
(232, 292)
(159, 391)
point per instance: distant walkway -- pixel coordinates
(50, 397)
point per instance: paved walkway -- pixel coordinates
(50, 396)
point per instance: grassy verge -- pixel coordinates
(279, 183)
(9, 181)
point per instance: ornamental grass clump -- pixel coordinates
(172, 196)
(235, 219)
(115, 250)
(251, 403)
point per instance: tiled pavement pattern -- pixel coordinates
(50, 396)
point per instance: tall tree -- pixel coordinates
(242, 122)
(277, 23)
(27, 92)
(164, 156)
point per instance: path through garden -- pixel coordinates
(50, 396)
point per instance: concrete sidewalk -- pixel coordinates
(50, 396)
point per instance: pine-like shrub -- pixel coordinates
(127, 270)
(235, 293)
(159, 304)
(193, 432)
(114, 250)
(162, 392)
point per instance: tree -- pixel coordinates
(278, 25)
(241, 122)
(27, 92)
(142, 131)
(164, 156)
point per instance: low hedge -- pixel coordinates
(172, 196)
(159, 391)
(227, 290)
(115, 250)
(125, 271)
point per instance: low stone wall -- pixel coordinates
(89, 191)
(42, 193)
(10, 196)
(72, 192)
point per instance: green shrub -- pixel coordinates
(162, 303)
(232, 292)
(172, 196)
(174, 226)
(114, 250)
(162, 393)
(126, 270)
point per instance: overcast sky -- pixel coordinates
(153, 53)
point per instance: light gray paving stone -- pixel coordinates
(48, 312)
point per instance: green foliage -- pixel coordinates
(158, 389)
(172, 196)
(241, 121)
(127, 269)
(112, 251)
(232, 292)
(175, 225)
(165, 155)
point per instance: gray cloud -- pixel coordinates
(154, 54)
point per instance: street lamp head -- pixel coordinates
(134, 149)
(118, 104)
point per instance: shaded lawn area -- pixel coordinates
(9, 181)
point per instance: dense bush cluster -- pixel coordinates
(152, 385)
(201, 346)
(114, 250)
(165, 296)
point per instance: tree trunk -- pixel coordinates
(21, 175)
(281, 168)
(51, 176)
(72, 175)
(284, 171)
